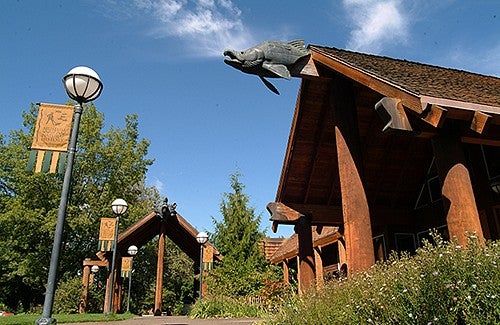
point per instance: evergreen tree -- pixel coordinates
(237, 237)
(108, 165)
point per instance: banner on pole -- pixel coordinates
(53, 127)
(126, 266)
(107, 234)
(50, 141)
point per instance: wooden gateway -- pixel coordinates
(387, 149)
(161, 224)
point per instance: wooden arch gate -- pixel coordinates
(181, 232)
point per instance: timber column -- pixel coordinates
(159, 270)
(306, 254)
(458, 196)
(82, 308)
(355, 211)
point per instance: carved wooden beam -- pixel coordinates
(480, 122)
(391, 111)
(281, 214)
(434, 115)
(324, 215)
(87, 262)
(304, 68)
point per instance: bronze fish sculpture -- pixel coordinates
(269, 59)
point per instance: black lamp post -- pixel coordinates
(119, 207)
(201, 238)
(132, 251)
(83, 85)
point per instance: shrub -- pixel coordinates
(222, 307)
(68, 296)
(442, 284)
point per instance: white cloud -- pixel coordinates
(375, 24)
(484, 61)
(206, 26)
(159, 185)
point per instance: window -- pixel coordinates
(426, 234)
(430, 191)
(405, 242)
(379, 248)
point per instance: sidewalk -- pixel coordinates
(176, 320)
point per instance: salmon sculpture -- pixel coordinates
(268, 60)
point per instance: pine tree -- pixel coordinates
(237, 238)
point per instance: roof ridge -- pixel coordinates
(401, 60)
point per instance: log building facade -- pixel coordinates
(386, 150)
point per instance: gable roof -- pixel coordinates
(181, 232)
(422, 79)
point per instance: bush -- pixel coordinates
(68, 296)
(442, 284)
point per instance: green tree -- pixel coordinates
(108, 165)
(237, 237)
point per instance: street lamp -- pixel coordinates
(83, 85)
(119, 207)
(94, 269)
(201, 238)
(132, 251)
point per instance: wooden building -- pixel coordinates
(385, 150)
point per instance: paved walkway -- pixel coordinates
(176, 320)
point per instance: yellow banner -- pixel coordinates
(107, 234)
(126, 264)
(53, 127)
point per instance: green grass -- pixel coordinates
(29, 319)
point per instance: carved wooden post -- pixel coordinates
(357, 225)
(458, 197)
(107, 293)
(318, 260)
(306, 254)
(85, 290)
(159, 271)
(117, 298)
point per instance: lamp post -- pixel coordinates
(82, 84)
(119, 207)
(132, 251)
(201, 238)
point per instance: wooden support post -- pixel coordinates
(159, 271)
(342, 254)
(356, 214)
(286, 272)
(108, 292)
(458, 196)
(318, 262)
(82, 308)
(306, 254)
(117, 298)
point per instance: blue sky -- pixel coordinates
(205, 120)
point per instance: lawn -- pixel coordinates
(29, 319)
